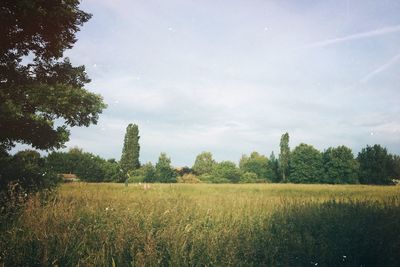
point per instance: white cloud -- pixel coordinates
(228, 78)
(356, 36)
(394, 60)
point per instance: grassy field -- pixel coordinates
(206, 225)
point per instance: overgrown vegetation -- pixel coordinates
(207, 225)
(87, 166)
(22, 175)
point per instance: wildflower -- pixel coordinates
(107, 208)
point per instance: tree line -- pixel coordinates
(303, 164)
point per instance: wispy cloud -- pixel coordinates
(381, 68)
(361, 35)
(207, 76)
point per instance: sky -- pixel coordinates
(231, 77)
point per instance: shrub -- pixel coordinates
(164, 173)
(225, 172)
(206, 178)
(137, 176)
(248, 177)
(149, 173)
(189, 179)
(23, 174)
(184, 170)
(257, 164)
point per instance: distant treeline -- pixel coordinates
(303, 164)
(373, 165)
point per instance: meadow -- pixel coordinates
(86, 224)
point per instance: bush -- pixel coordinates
(137, 176)
(248, 177)
(184, 170)
(23, 174)
(113, 172)
(87, 166)
(135, 179)
(189, 179)
(257, 164)
(149, 173)
(225, 172)
(206, 178)
(164, 173)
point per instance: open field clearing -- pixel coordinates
(207, 225)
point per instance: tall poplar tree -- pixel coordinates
(130, 152)
(284, 156)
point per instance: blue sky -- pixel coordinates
(231, 76)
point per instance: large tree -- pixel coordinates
(284, 156)
(37, 84)
(376, 165)
(225, 172)
(87, 166)
(131, 150)
(274, 166)
(340, 166)
(306, 165)
(256, 163)
(203, 164)
(396, 167)
(164, 172)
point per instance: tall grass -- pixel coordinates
(207, 225)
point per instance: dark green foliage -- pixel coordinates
(331, 234)
(184, 170)
(28, 169)
(274, 167)
(284, 156)
(376, 165)
(164, 173)
(34, 94)
(225, 172)
(22, 174)
(306, 165)
(146, 173)
(340, 166)
(249, 177)
(149, 173)
(113, 171)
(257, 164)
(86, 166)
(203, 164)
(130, 152)
(396, 167)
